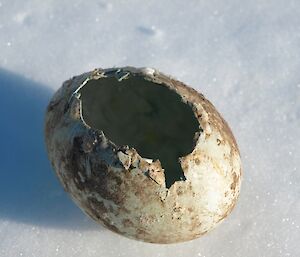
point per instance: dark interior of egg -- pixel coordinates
(144, 115)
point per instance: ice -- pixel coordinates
(243, 55)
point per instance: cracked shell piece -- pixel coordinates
(112, 183)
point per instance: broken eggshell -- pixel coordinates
(129, 194)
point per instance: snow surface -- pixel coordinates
(243, 55)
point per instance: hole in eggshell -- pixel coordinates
(144, 115)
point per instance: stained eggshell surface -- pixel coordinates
(126, 193)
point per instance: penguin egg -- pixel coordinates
(143, 154)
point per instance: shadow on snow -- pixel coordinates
(29, 190)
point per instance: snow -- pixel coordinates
(243, 55)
